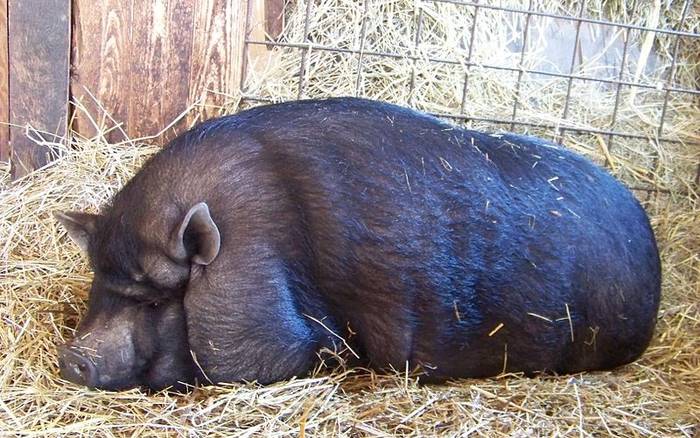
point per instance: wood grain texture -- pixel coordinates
(148, 61)
(4, 86)
(161, 35)
(39, 46)
(274, 18)
(217, 52)
(255, 54)
(175, 98)
(100, 61)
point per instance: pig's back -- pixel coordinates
(440, 246)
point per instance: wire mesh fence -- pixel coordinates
(610, 81)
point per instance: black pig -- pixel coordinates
(253, 241)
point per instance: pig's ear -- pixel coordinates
(197, 237)
(78, 225)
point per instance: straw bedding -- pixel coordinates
(44, 280)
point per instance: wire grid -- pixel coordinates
(668, 88)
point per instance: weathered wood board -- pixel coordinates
(130, 68)
(147, 62)
(4, 86)
(217, 52)
(274, 18)
(100, 52)
(39, 45)
(265, 22)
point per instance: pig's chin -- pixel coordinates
(170, 364)
(173, 371)
(155, 381)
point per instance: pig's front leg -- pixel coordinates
(244, 323)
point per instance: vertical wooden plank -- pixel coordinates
(38, 40)
(162, 35)
(265, 21)
(257, 56)
(255, 53)
(148, 45)
(101, 53)
(148, 61)
(274, 18)
(4, 86)
(217, 52)
(84, 69)
(177, 66)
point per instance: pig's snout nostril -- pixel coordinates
(75, 367)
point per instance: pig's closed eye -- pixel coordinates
(136, 289)
(139, 291)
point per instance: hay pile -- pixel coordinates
(44, 280)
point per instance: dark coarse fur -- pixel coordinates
(463, 253)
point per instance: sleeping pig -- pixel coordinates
(254, 241)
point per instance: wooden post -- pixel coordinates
(39, 39)
(265, 22)
(100, 54)
(274, 18)
(4, 87)
(217, 53)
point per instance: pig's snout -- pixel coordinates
(75, 367)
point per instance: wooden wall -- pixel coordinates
(4, 86)
(143, 63)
